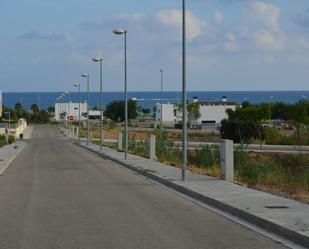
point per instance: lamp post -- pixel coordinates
(184, 95)
(58, 110)
(100, 60)
(86, 75)
(124, 32)
(161, 71)
(62, 109)
(66, 94)
(78, 86)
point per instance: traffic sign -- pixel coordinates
(72, 118)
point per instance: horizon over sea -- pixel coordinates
(149, 99)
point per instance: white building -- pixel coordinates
(215, 112)
(169, 114)
(212, 112)
(95, 114)
(65, 110)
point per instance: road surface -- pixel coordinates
(56, 195)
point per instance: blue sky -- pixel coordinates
(232, 44)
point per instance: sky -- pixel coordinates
(238, 45)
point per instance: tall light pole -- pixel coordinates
(100, 60)
(60, 107)
(86, 75)
(78, 86)
(66, 98)
(124, 32)
(184, 95)
(58, 103)
(63, 108)
(161, 71)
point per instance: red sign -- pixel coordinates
(72, 118)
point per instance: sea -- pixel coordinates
(149, 99)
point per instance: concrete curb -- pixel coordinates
(7, 162)
(255, 220)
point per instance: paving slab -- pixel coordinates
(28, 132)
(284, 217)
(8, 153)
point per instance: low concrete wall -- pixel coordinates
(15, 132)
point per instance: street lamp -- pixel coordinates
(62, 108)
(66, 94)
(58, 99)
(161, 98)
(100, 60)
(78, 86)
(124, 32)
(184, 95)
(86, 75)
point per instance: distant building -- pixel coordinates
(169, 114)
(215, 111)
(212, 113)
(95, 114)
(64, 110)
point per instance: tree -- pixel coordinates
(244, 124)
(245, 104)
(18, 107)
(34, 108)
(193, 111)
(145, 111)
(51, 109)
(115, 110)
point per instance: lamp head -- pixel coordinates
(97, 59)
(119, 31)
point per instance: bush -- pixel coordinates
(115, 110)
(205, 157)
(140, 148)
(165, 149)
(3, 140)
(241, 131)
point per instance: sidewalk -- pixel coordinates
(9, 152)
(281, 216)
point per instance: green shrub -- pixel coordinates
(140, 148)
(3, 140)
(205, 157)
(11, 140)
(165, 149)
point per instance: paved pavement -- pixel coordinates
(58, 195)
(9, 152)
(282, 216)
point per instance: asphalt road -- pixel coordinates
(57, 195)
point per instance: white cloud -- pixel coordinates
(78, 58)
(217, 17)
(173, 18)
(231, 47)
(230, 36)
(267, 14)
(302, 42)
(56, 36)
(267, 40)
